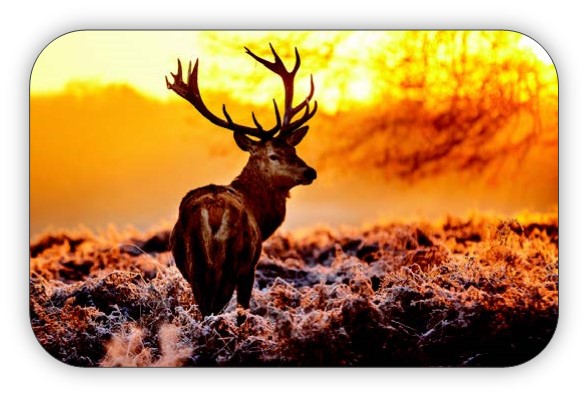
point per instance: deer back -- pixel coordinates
(216, 229)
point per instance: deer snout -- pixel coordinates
(309, 175)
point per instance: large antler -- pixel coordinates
(285, 127)
(290, 112)
(191, 93)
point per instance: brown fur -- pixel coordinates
(216, 241)
(213, 262)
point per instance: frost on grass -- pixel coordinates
(475, 292)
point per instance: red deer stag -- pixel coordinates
(216, 241)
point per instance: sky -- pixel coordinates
(140, 58)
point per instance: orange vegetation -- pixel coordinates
(464, 292)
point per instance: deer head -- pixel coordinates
(272, 151)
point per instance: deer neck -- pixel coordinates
(263, 199)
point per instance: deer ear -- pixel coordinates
(244, 142)
(297, 136)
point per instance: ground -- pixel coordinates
(477, 291)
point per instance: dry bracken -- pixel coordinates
(476, 292)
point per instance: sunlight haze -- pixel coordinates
(110, 144)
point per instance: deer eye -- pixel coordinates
(273, 157)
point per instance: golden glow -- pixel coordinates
(347, 73)
(542, 55)
(137, 58)
(360, 89)
(103, 153)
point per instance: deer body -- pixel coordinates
(216, 241)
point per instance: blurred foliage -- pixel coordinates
(415, 103)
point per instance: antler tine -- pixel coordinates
(277, 111)
(227, 116)
(191, 93)
(277, 66)
(179, 74)
(304, 103)
(176, 85)
(255, 121)
(278, 61)
(297, 64)
(300, 122)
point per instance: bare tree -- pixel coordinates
(446, 106)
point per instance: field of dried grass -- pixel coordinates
(481, 291)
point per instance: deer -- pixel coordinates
(217, 239)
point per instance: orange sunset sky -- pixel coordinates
(110, 144)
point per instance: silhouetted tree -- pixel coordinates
(452, 101)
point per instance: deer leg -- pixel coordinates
(244, 287)
(204, 304)
(206, 288)
(223, 295)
